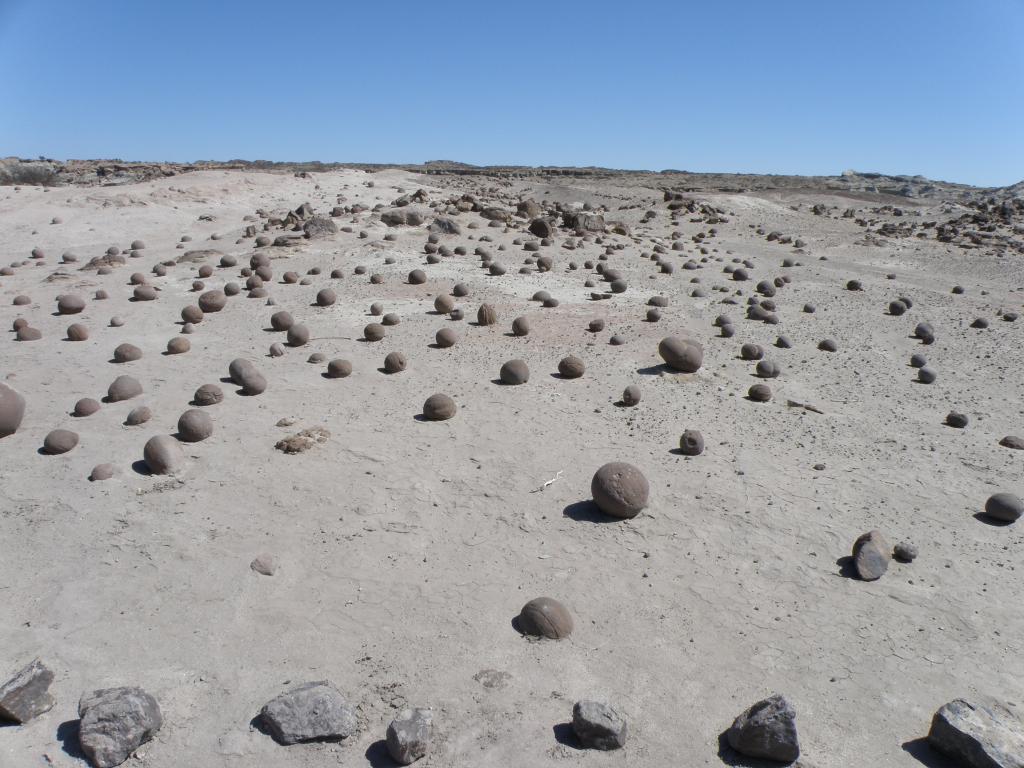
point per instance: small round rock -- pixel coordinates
(620, 489)
(439, 407)
(545, 617)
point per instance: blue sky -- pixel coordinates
(934, 87)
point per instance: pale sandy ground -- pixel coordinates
(407, 547)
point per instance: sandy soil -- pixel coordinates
(407, 547)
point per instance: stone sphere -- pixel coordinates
(571, 367)
(376, 309)
(828, 345)
(298, 335)
(394, 363)
(70, 304)
(596, 325)
(681, 354)
(620, 489)
(77, 332)
(768, 369)
(374, 332)
(957, 420)
(194, 425)
(1004, 507)
(276, 350)
(446, 337)
(926, 376)
(617, 340)
(325, 297)
(87, 406)
(545, 617)
(339, 369)
(145, 293)
(417, 277)
(123, 388)
(760, 393)
(192, 314)
(213, 301)
(126, 353)
(691, 443)
(460, 289)
(486, 315)
(390, 319)
(783, 342)
(163, 455)
(897, 308)
(439, 407)
(521, 326)
(514, 372)
(59, 441)
(139, 415)
(245, 375)
(101, 472)
(208, 394)
(444, 304)
(178, 345)
(12, 410)
(281, 320)
(28, 333)
(631, 395)
(751, 352)
(918, 360)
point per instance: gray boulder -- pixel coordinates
(982, 733)
(115, 722)
(409, 735)
(767, 730)
(445, 225)
(871, 556)
(311, 712)
(27, 694)
(403, 217)
(598, 726)
(588, 222)
(319, 227)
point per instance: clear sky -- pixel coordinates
(934, 87)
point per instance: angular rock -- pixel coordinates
(768, 730)
(598, 726)
(871, 555)
(981, 733)
(27, 694)
(313, 711)
(115, 722)
(319, 227)
(409, 735)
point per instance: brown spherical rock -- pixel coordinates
(444, 304)
(446, 337)
(620, 489)
(281, 320)
(87, 406)
(390, 319)
(681, 354)
(417, 277)
(12, 410)
(760, 393)
(339, 369)
(192, 314)
(394, 363)
(545, 617)
(1004, 507)
(326, 297)
(123, 388)
(298, 335)
(691, 443)
(213, 301)
(28, 333)
(631, 395)
(145, 293)
(77, 332)
(102, 472)
(59, 441)
(521, 326)
(486, 315)
(194, 425)
(127, 353)
(439, 407)
(163, 455)
(70, 304)
(374, 332)
(178, 345)
(1013, 442)
(571, 367)
(137, 416)
(208, 394)
(514, 372)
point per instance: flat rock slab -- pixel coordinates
(115, 722)
(311, 712)
(26, 695)
(598, 725)
(409, 735)
(768, 730)
(981, 733)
